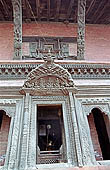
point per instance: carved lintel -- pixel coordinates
(81, 29)
(17, 12)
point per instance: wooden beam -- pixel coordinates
(5, 8)
(58, 2)
(102, 12)
(17, 12)
(37, 8)
(96, 13)
(105, 19)
(81, 29)
(91, 6)
(28, 9)
(1, 16)
(70, 8)
(48, 10)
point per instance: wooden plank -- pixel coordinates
(102, 12)
(90, 8)
(57, 9)
(1, 16)
(48, 10)
(28, 10)
(70, 8)
(5, 8)
(97, 11)
(37, 8)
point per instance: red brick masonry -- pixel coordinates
(97, 38)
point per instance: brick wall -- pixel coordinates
(4, 131)
(94, 136)
(97, 38)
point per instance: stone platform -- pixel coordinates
(82, 168)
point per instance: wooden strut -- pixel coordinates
(81, 29)
(17, 12)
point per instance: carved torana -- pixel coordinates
(49, 77)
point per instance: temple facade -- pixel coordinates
(54, 85)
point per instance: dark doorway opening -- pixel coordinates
(4, 132)
(1, 117)
(49, 127)
(102, 133)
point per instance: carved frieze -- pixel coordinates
(79, 71)
(7, 101)
(103, 107)
(89, 103)
(8, 105)
(9, 110)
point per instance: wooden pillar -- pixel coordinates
(13, 150)
(17, 13)
(25, 132)
(76, 132)
(81, 29)
(88, 156)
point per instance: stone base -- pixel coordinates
(82, 168)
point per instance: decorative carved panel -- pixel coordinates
(60, 45)
(102, 103)
(78, 71)
(104, 108)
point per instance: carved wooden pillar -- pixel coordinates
(76, 132)
(32, 135)
(81, 29)
(88, 156)
(14, 148)
(68, 133)
(25, 133)
(17, 13)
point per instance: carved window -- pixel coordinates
(62, 47)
